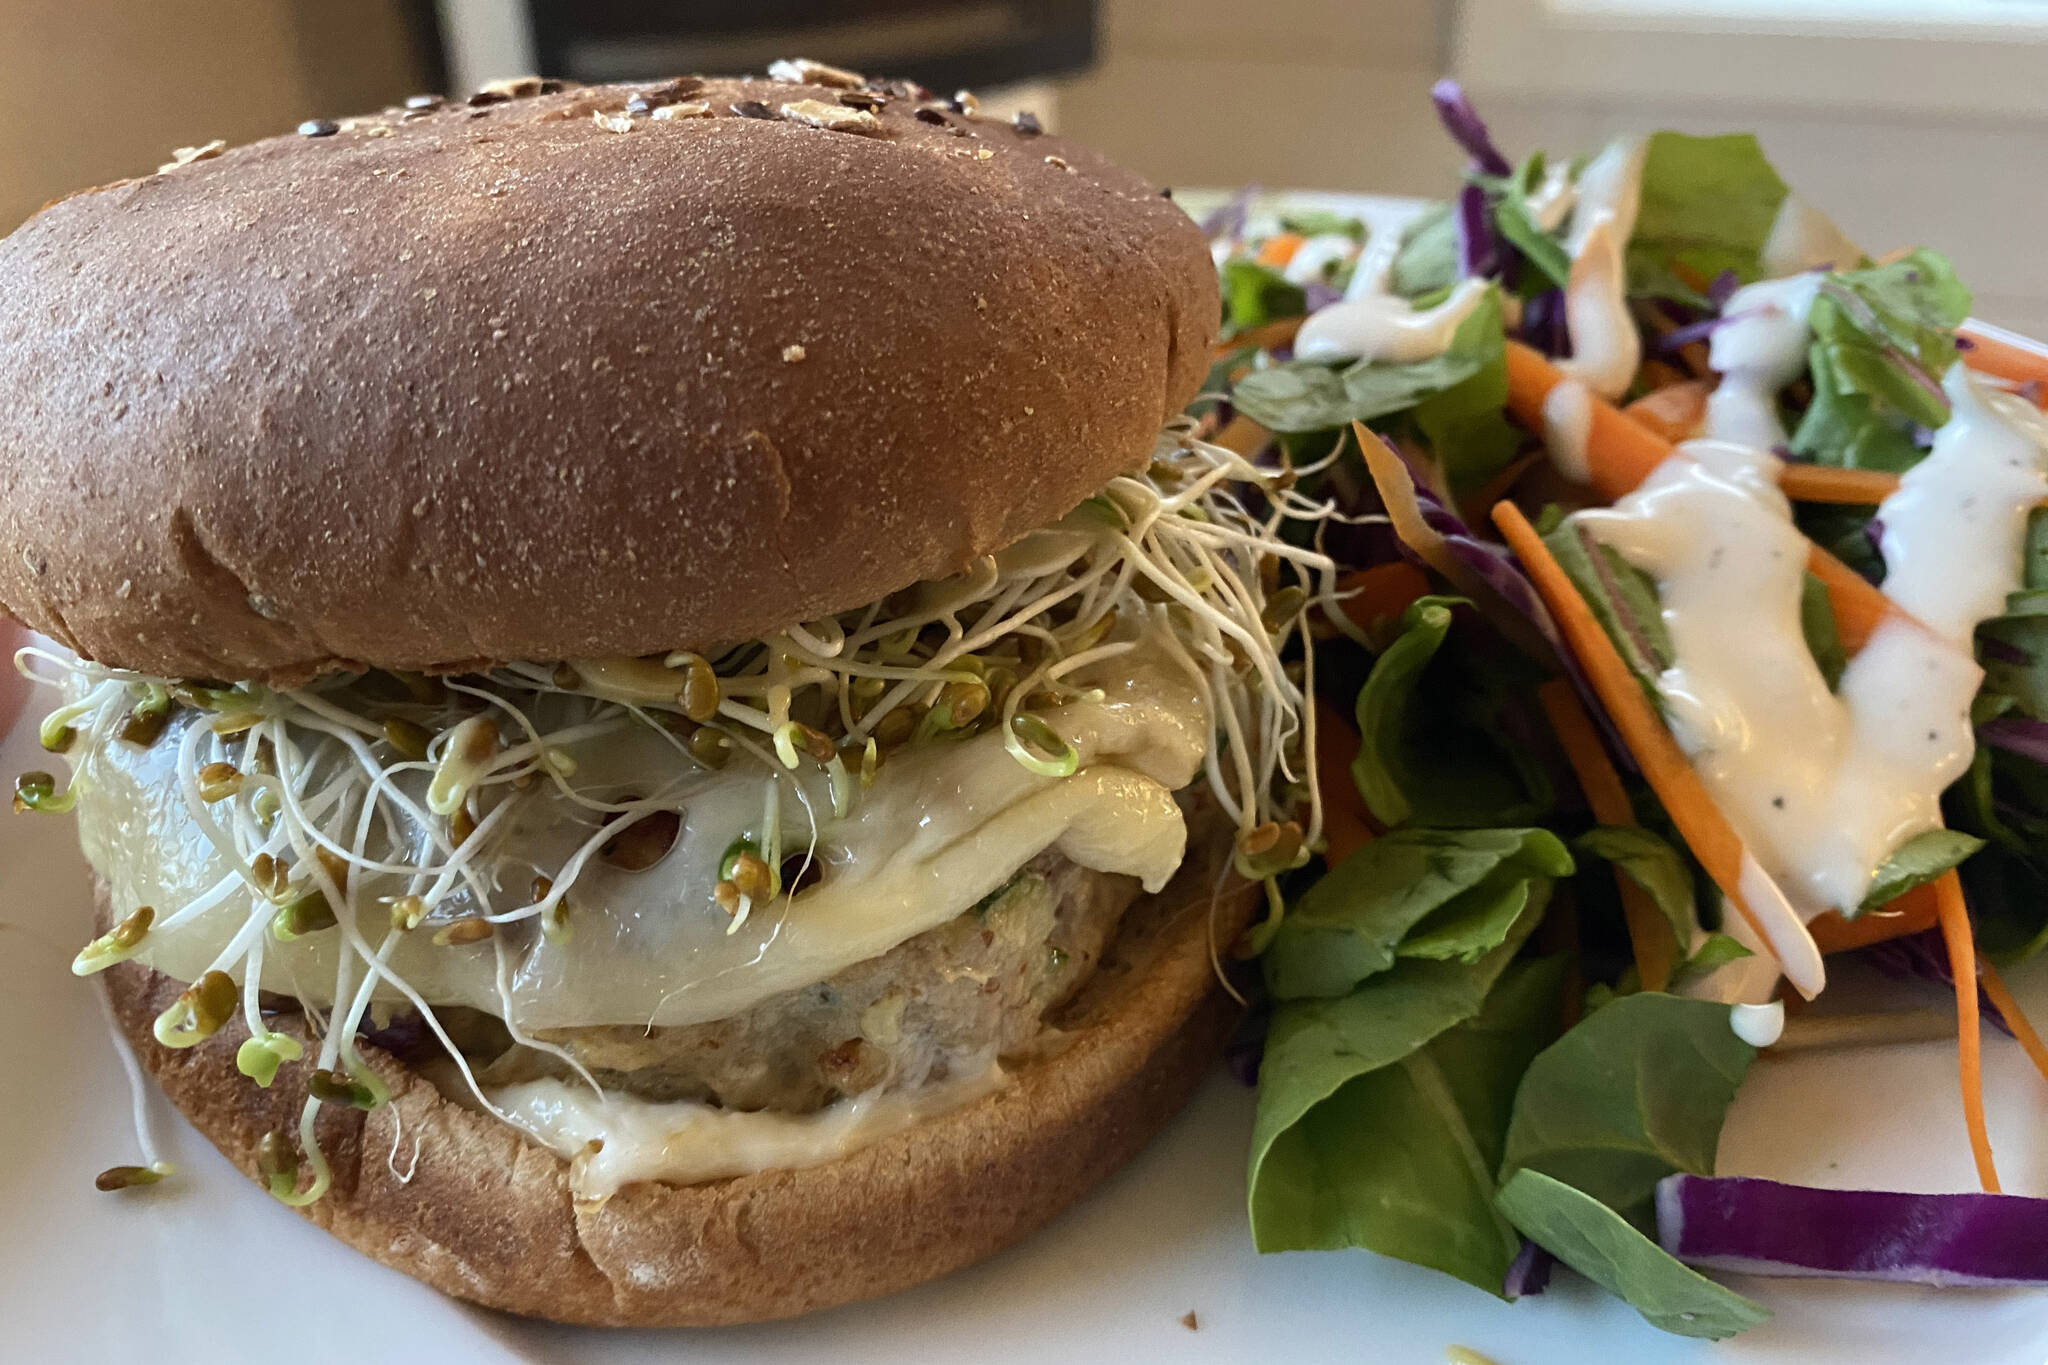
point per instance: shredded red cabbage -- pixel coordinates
(1722, 286)
(1543, 324)
(1529, 1273)
(1227, 222)
(2018, 734)
(1761, 1227)
(1923, 957)
(1466, 128)
(1478, 250)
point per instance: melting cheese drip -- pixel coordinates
(942, 827)
(618, 1140)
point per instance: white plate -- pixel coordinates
(206, 1269)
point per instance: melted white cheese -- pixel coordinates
(619, 1140)
(942, 826)
(1606, 349)
(1758, 349)
(1955, 531)
(1386, 327)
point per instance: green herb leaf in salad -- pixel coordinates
(1708, 205)
(1636, 1091)
(1604, 1247)
(1414, 893)
(1324, 1173)
(1432, 750)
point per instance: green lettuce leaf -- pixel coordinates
(1323, 223)
(1446, 889)
(1918, 861)
(1601, 1245)
(1508, 202)
(1255, 294)
(1428, 260)
(1880, 336)
(1622, 597)
(1635, 1092)
(1431, 749)
(1654, 865)
(1823, 633)
(1464, 425)
(1360, 1140)
(1707, 205)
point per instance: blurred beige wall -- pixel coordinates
(100, 89)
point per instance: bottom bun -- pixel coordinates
(487, 1214)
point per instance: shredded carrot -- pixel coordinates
(1265, 336)
(1623, 452)
(1651, 939)
(2015, 1019)
(1962, 963)
(1381, 593)
(1242, 435)
(1279, 249)
(1700, 823)
(1909, 914)
(2015, 360)
(1347, 825)
(1824, 483)
(1675, 411)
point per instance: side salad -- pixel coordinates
(1693, 637)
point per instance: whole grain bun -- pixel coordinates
(487, 1215)
(547, 377)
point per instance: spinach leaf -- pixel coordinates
(1323, 1174)
(1255, 294)
(1400, 1160)
(1654, 865)
(2019, 666)
(1428, 259)
(1431, 750)
(1918, 861)
(1445, 884)
(1636, 1091)
(1601, 1245)
(1823, 635)
(1707, 205)
(1622, 597)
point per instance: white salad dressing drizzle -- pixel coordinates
(1568, 429)
(1758, 349)
(1803, 238)
(1956, 529)
(1758, 1025)
(1386, 327)
(1823, 786)
(1312, 260)
(1606, 349)
(1553, 198)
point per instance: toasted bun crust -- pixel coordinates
(488, 1216)
(497, 382)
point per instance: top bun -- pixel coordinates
(566, 372)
